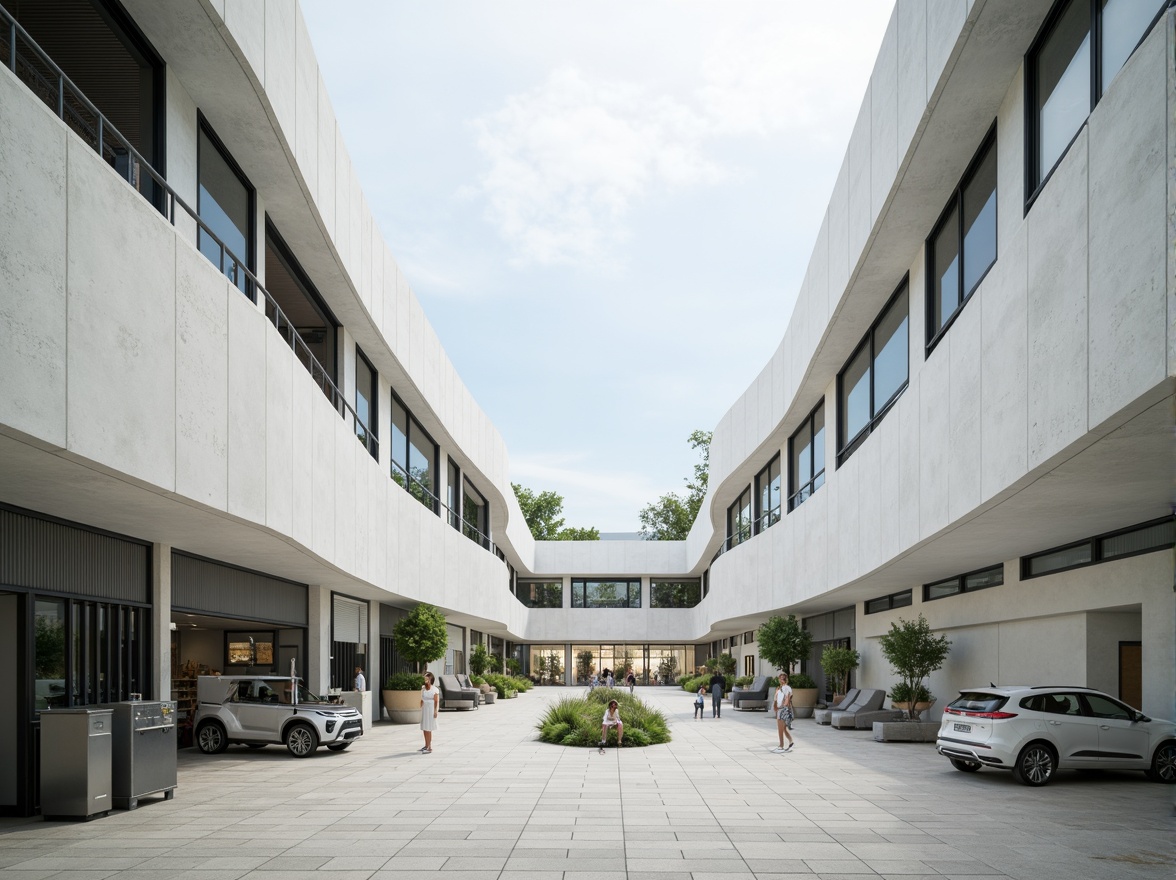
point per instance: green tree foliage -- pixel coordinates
(479, 659)
(914, 653)
(671, 516)
(583, 665)
(421, 637)
(783, 642)
(837, 663)
(542, 513)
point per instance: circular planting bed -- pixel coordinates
(575, 721)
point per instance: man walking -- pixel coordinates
(718, 686)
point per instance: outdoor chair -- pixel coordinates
(454, 696)
(754, 696)
(864, 711)
(824, 716)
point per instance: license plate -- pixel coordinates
(962, 728)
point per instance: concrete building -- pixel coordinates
(230, 439)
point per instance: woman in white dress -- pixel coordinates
(612, 718)
(430, 702)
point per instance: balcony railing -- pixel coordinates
(33, 66)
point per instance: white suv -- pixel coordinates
(1036, 731)
(260, 709)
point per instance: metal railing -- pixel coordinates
(47, 81)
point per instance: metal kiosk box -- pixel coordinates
(76, 749)
(144, 750)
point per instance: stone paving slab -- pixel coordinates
(492, 803)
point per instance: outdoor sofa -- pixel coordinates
(755, 696)
(824, 716)
(864, 711)
(454, 696)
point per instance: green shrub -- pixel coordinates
(505, 686)
(744, 681)
(521, 683)
(575, 721)
(800, 680)
(404, 681)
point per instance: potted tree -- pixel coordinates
(783, 642)
(838, 663)
(583, 667)
(479, 662)
(402, 697)
(421, 637)
(914, 653)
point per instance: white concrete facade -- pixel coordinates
(162, 404)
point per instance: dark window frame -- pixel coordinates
(370, 441)
(410, 421)
(582, 584)
(794, 490)
(250, 257)
(847, 446)
(757, 496)
(291, 265)
(961, 583)
(529, 582)
(737, 537)
(479, 533)
(892, 600)
(1095, 543)
(1037, 178)
(679, 582)
(956, 204)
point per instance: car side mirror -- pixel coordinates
(1139, 716)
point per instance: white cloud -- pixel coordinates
(569, 159)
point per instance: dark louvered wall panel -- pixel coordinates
(43, 555)
(206, 586)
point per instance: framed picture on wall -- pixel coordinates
(253, 648)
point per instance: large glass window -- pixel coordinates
(1065, 78)
(875, 375)
(474, 516)
(806, 451)
(366, 395)
(953, 273)
(224, 201)
(414, 456)
(453, 498)
(767, 496)
(606, 594)
(299, 313)
(675, 594)
(739, 519)
(540, 594)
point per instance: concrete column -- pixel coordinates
(569, 672)
(374, 672)
(317, 674)
(161, 602)
(1159, 651)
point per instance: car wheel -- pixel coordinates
(1163, 766)
(338, 747)
(301, 740)
(965, 766)
(1035, 765)
(211, 739)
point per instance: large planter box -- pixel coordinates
(906, 731)
(403, 707)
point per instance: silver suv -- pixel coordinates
(1036, 731)
(258, 709)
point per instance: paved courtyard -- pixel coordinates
(492, 803)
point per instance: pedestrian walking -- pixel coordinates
(430, 703)
(631, 681)
(699, 702)
(784, 714)
(718, 685)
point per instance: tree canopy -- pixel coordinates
(671, 516)
(422, 636)
(784, 642)
(542, 513)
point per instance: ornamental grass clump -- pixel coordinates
(575, 721)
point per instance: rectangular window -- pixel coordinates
(705, 583)
(1143, 539)
(767, 496)
(806, 451)
(1146, 537)
(675, 594)
(749, 637)
(224, 201)
(964, 583)
(875, 375)
(954, 272)
(453, 496)
(1065, 78)
(366, 395)
(739, 519)
(413, 457)
(606, 594)
(540, 594)
(475, 517)
(1059, 560)
(887, 603)
(749, 664)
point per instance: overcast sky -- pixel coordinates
(605, 208)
